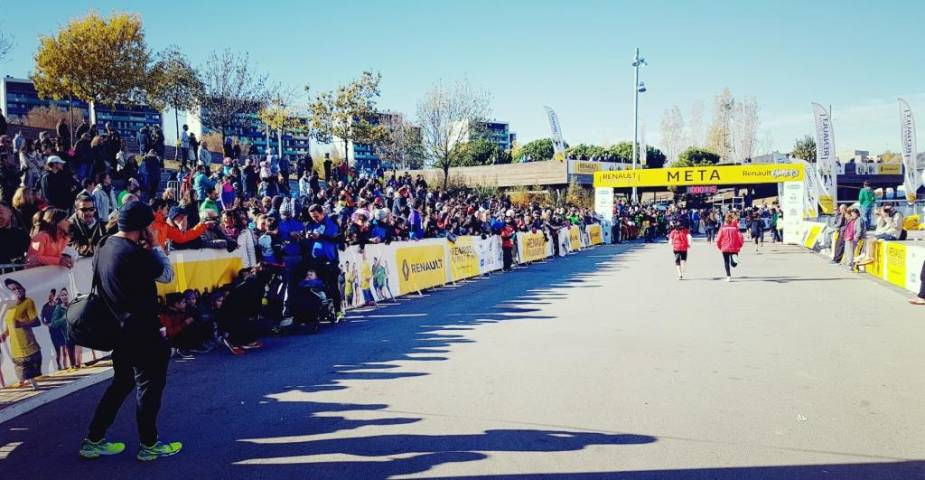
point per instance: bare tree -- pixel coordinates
(672, 132)
(695, 125)
(720, 136)
(401, 143)
(6, 45)
(446, 116)
(345, 115)
(745, 128)
(231, 88)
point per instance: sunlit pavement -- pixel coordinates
(599, 365)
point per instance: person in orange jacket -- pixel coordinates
(166, 231)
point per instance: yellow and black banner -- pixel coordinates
(420, 267)
(706, 175)
(464, 261)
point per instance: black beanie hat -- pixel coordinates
(135, 216)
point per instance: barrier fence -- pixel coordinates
(376, 273)
(897, 262)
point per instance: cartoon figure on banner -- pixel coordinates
(349, 275)
(381, 279)
(366, 277)
(17, 328)
(67, 353)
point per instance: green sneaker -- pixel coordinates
(158, 450)
(91, 450)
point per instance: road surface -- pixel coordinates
(599, 365)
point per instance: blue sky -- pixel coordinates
(574, 55)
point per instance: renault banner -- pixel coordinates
(911, 180)
(531, 247)
(420, 267)
(704, 175)
(825, 159)
(464, 261)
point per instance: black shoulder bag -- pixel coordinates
(91, 322)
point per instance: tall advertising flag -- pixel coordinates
(558, 144)
(825, 159)
(811, 189)
(911, 180)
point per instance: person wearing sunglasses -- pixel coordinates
(86, 230)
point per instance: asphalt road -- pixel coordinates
(599, 365)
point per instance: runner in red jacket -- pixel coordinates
(678, 236)
(729, 241)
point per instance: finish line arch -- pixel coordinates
(703, 175)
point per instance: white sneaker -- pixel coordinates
(286, 322)
(728, 279)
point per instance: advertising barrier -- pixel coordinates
(421, 266)
(489, 253)
(35, 322)
(899, 263)
(464, 260)
(595, 235)
(532, 246)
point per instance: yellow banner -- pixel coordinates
(201, 275)
(464, 262)
(891, 169)
(826, 204)
(420, 267)
(896, 264)
(706, 175)
(531, 246)
(595, 235)
(878, 254)
(587, 168)
(574, 237)
(811, 236)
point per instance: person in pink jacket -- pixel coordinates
(49, 239)
(729, 241)
(680, 243)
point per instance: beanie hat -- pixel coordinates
(174, 211)
(134, 216)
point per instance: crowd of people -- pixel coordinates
(66, 202)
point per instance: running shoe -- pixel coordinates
(159, 449)
(185, 354)
(339, 317)
(91, 450)
(252, 345)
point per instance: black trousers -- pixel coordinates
(922, 285)
(727, 262)
(508, 255)
(839, 248)
(145, 369)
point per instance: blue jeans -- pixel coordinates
(865, 214)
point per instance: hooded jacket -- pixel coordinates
(729, 239)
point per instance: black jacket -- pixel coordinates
(84, 238)
(58, 188)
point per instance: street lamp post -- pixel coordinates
(638, 87)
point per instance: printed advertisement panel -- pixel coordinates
(489, 252)
(531, 246)
(464, 260)
(706, 175)
(420, 267)
(574, 234)
(915, 257)
(368, 276)
(896, 264)
(809, 241)
(595, 234)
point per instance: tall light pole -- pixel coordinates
(638, 87)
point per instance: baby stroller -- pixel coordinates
(310, 305)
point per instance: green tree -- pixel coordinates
(94, 59)
(805, 148)
(538, 150)
(695, 156)
(654, 158)
(174, 83)
(479, 151)
(344, 114)
(585, 152)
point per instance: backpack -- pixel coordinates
(91, 322)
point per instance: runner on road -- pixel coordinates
(729, 241)
(680, 242)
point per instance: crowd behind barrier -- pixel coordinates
(374, 273)
(899, 262)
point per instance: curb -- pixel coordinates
(29, 404)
